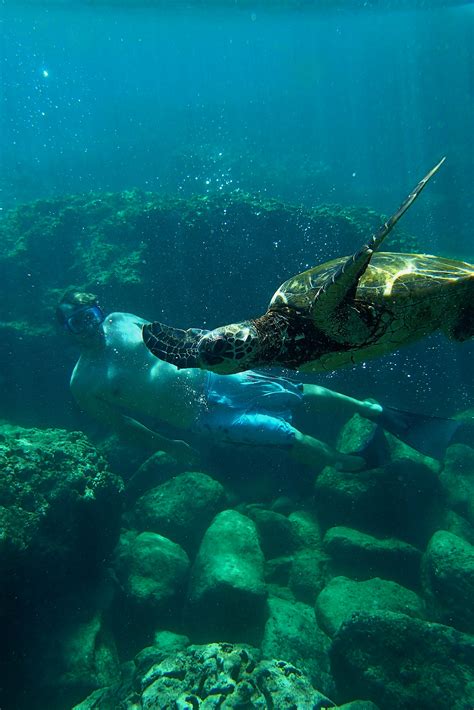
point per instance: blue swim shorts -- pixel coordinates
(249, 408)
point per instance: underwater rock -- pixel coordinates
(457, 480)
(343, 597)
(292, 633)
(309, 566)
(361, 434)
(400, 451)
(308, 574)
(56, 491)
(152, 572)
(169, 642)
(277, 570)
(402, 499)
(227, 592)
(456, 524)
(76, 659)
(166, 644)
(275, 531)
(362, 556)
(156, 469)
(123, 459)
(217, 675)
(306, 529)
(180, 509)
(448, 577)
(402, 662)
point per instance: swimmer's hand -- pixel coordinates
(183, 453)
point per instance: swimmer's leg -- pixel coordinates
(316, 454)
(318, 399)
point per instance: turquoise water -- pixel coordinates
(181, 160)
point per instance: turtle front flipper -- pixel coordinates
(174, 345)
(334, 300)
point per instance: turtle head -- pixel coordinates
(229, 349)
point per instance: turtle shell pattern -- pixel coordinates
(410, 295)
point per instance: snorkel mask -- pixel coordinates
(79, 313)
(84, 320)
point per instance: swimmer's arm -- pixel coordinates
(134, 432)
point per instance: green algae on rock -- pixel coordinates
(448, 575)
(362, 556)
(152, 572)
(343, 597)
(180, 509)
(55, 490)
(401, 662)
(227, 592)
(292, 633)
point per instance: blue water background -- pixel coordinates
(337, 106)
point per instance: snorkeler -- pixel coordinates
(118, 382)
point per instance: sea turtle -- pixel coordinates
(339, 313)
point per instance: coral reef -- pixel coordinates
(219, 675)
(55, 491)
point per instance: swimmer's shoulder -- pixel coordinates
(122, 327)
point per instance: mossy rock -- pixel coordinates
(398, 661)
(359, 555)
(448, 576)
(180, 509)
(343, 597)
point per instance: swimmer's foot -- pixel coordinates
(370, 409)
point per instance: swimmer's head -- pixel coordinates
(80, 314)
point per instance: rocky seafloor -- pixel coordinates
(173, 589)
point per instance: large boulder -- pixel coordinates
(401, 499)
(308, 574)
(357, 554)
(152, 572)
(457, 479)
(180, 509)
(308, 570)
(73, 660)
(292, 633)
(227, 592)
(448, 577)
(402, 662)
(343, 597)
(276, 532)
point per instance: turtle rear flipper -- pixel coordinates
(333, 302)
(174, 345)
